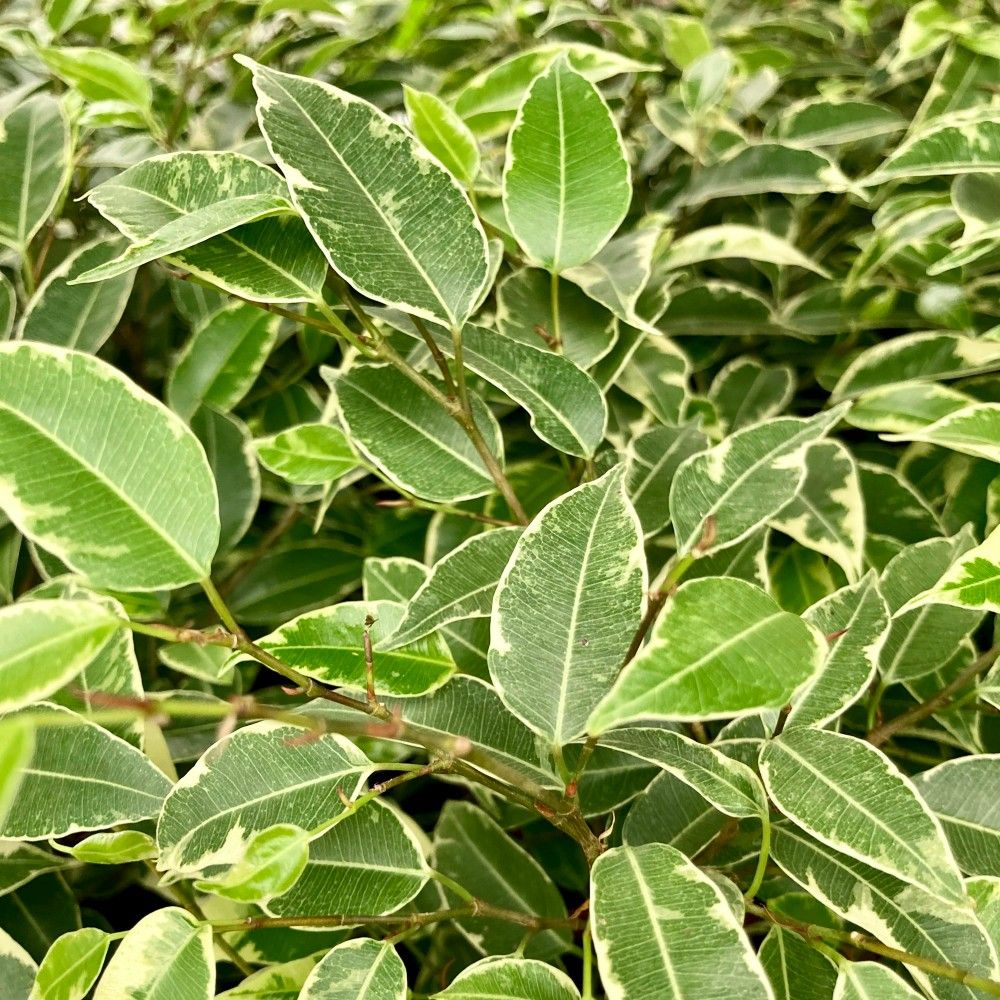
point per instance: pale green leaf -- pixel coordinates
(510, 979)
(221, 360)
(116, 848)
(580, 569)
(226, 798)
(139, 480)
(307, 454)
(704, 81)
(391, 221)
(271, 260)
(820, 121)
(272, 861)
(71, 966)
(732, 240)
(329, 645)
(965, 144)
(566, 181)
(165, 956)
(443, 133)
(648, 905)
(84, 318)
(16, 750)
(80, 778)
(273, 982)
(8, 306)
(45, 644)
(100, 75)
(973, 430)
(849, 795)
(734, 488)
(656, 373)
(213, 664)
(699, 664)
(17, 968)
(972, 581)
(797, 970)
(357, 970)
(409, 437)
(965, 795)
(745, 392)
(685, 37)
(871, 981)
(393, 578)
(35, 156)
(910, 406)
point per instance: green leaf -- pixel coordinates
(973, 430)
(409, 437)
(732, 240)
(903, 408)
(704, 81)
(222, 360)
(686, 38)
(894, 507)
(849, 795)
(579, 568)
(871, 981)
(225, 799)
(744, 481)
(763, 168)
(729, 785)
(45, 644)
(16, 750)
(273, 982)
(370, 862)
(140, 482)
(35, 153)
(80, 778)
(328, 645)
(857, 619)
(703, 664)
(17, 968)
(307, 454)
(963, 794)
(972, 581)
(8, 306)
(510, 979)
(390, 220)
(117, 848)
(472, 849)
(819, 121)
(21, 862)
(273, 859)
(797, 971)
(394, 578)
(100, 75)
(745, 392)
(213, 664)
(648, 905)
(656, 373)
(166, 954)
(357, 970)
(71, 966)
(714, 308)
(566, 181)
(443, 133)
(828, 513)
(670, 811)
(187, 206)
(460, 585)
(84, 318)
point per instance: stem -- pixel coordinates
(219, 606)
(186, 898)
(588, 964)
(762, 859)
(928, 965)
(449, 883)
(656, 601)
(556, 331)
(439, 359)
(943, 698)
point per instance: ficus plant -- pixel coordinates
(499, 500)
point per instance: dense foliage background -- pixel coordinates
(294, 705)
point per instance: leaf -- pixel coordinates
(273, 982)
(849, 795)
(140, 483)
(648, 904)
(21, 862)
(80, 778)
(45, 644)
(718, 308)
(390, 220)
(16, 967)
(897, 913)
(212, 664)
(818, 122)
(703, 664)
(222, 360)
(746, 242)
(973, 430)
(35, 151)
(797, 971)
(187, 207)
(567, 606)
(745, 392)
(510, 979)
(8, 306)
(16, 750)
(307, 454)
(117, 848)
(328, 645)
(100, 75)
(906, 407)
(83, 318)
(272, 862)
(763, 168)
(871, 981)
(894, 507)
(656, 374)
(357, 970)
(857, 617)
(963, 794)
(566, 180)
(704, 81)
(460, 585)
(71, 966)
(223, 800)
(744, 481)
(370, 862)
(828, 513)
(954, 146)
(671, 812)
(409, 437)
(472, 849)
(729, 785)
(166, 954)
(443, 133)
(972, 581)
